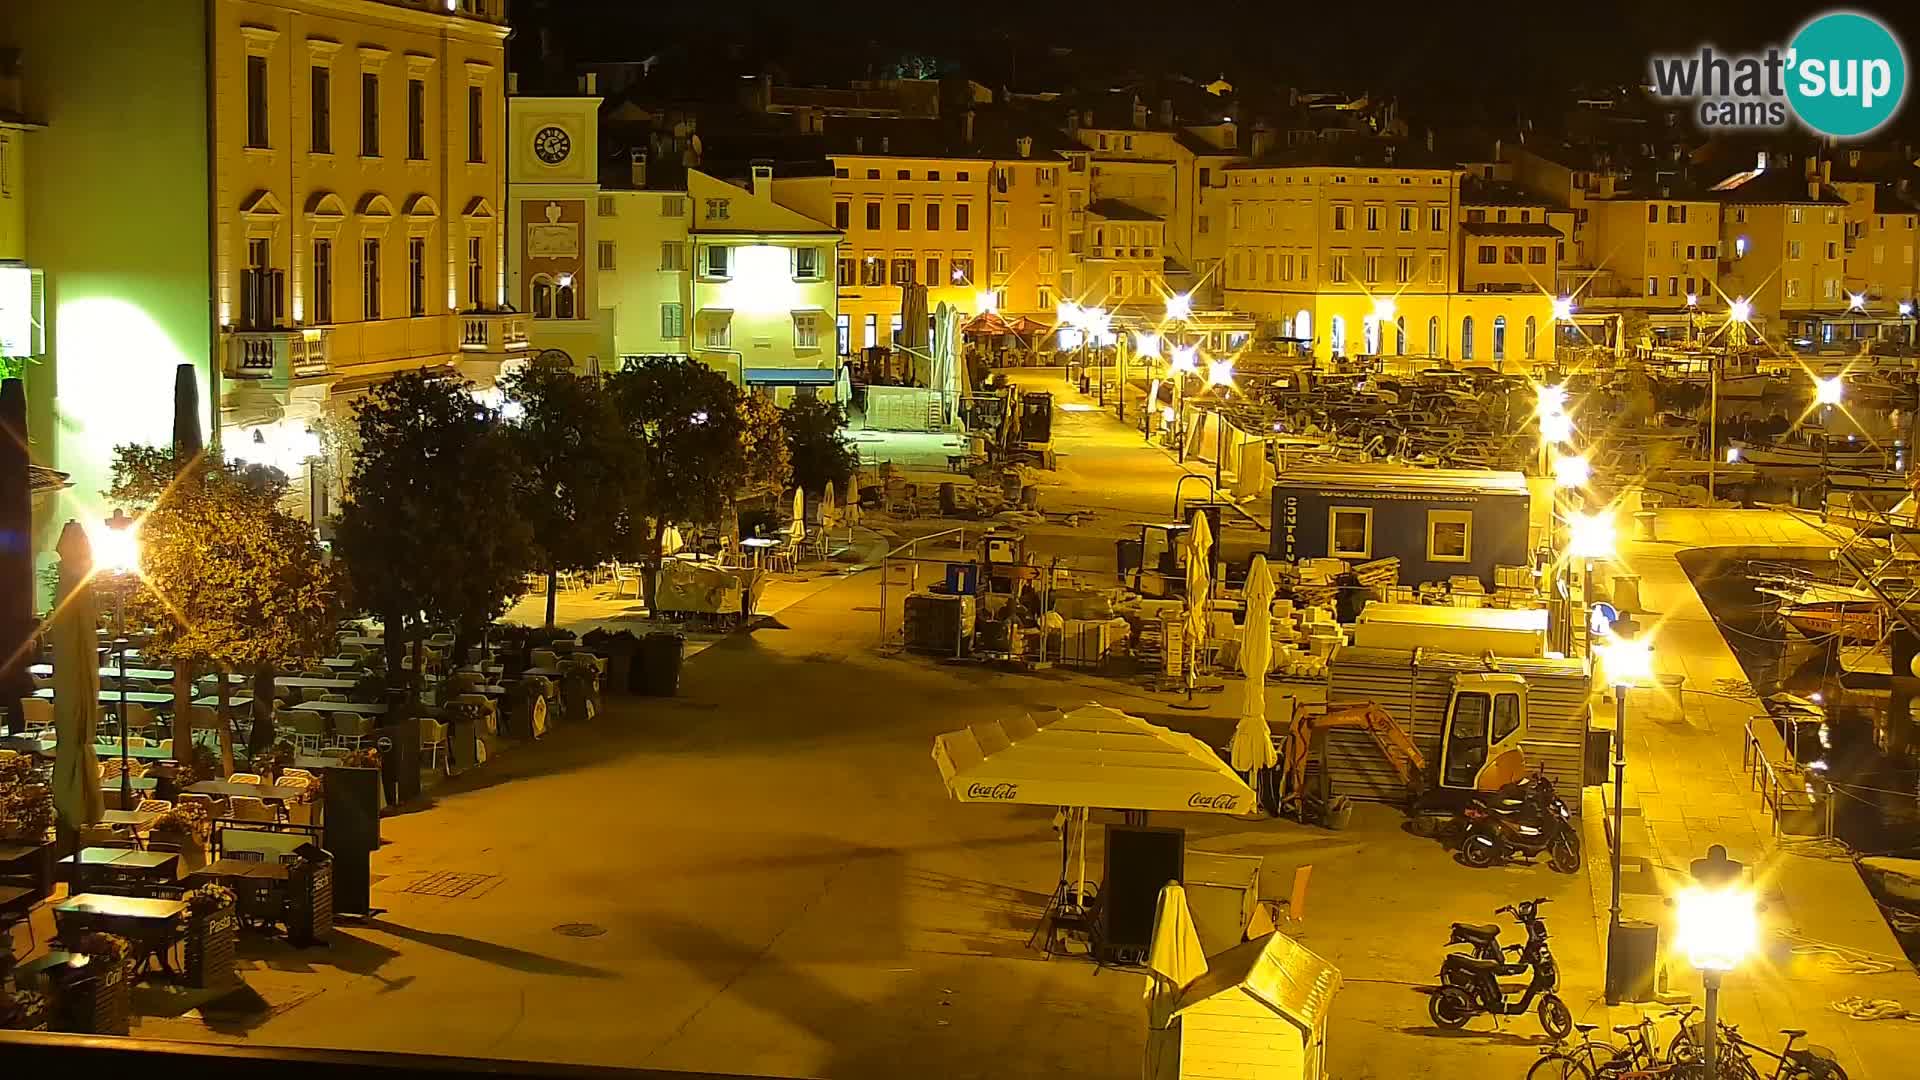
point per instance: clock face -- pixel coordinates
(551, 145)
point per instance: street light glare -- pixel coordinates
(1740, 310)
(1146, 344)
(1629, 661)
(1186, 358)
(1828, 391)
(1383, 309)
(1857, 301)
(986, 300)
(1693, 299)
(1220, 373)
(1179, 306)
(1562, 308)
(1590, 536)
(1550, 400)
(1717, 927)
(1571, 471)
(1556, 428)
(116, 548)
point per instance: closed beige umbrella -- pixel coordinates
(1199, 576)
(1252, 748)
(76, 685)
(1174, 960)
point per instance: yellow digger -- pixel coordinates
(1480, 737)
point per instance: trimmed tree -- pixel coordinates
(228, 577)
(686, 417)
(581, 467)
(763, 441)
(818, 445)
(432, 519)
(16, 554)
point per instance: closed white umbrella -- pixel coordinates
(1252, 748)
(1199, 574)
(798, 529)
(1174, 960)
(76, 685)
(828, 509)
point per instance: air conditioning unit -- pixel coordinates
(23, 321)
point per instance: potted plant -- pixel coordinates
(92, 993)
(187, 828)
(212, 930)
(26, 816)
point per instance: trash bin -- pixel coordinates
(1633, 957)
(660, 655)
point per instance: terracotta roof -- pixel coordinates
(1115, 210)
(1357, 152)
(1509, 228)
(1774, 186)
(995, 138)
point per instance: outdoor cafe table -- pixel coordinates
(136, 784)
(547, 672)
(95, 865)
(50, 748)
(226, 789)
(339, 663)
(340, 706)
(242, 869)
(112, 697)
(153, 925)
(295, 682)
(137, 820)
(45, 671)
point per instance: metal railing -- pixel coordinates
(1783, 785)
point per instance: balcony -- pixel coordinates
(493, 331)
(277, 356)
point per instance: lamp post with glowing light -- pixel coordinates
(116, 550)
(1826, 394)
(1589, 537)
(1629, 663)
(1186, 361)
(1716, 926)
(1219, 376)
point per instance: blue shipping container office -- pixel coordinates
(1440, 523)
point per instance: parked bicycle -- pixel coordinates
(1735, 1060)
(1597, 1059)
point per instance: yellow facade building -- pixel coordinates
(1358, 255)
(556, 216)
(316, 207)
(1882, 234)
(1782, 233)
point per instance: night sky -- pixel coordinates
(1469, 62)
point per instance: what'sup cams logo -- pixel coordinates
(1844, 76)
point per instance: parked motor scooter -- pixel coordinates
(1442, 813)
(1469, 985)
(1527, 833)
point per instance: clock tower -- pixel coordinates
(553, 202)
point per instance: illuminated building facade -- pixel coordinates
(315, 208)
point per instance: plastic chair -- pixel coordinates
(214, 807)
(154, 806)
(248, 808)
(37, 712)
(296, 774)
(433, 739)
(245, 778)
(545, 658)
(351, 729)
(313, 693)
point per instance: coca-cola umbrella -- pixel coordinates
(986, 324)
(1091, 756)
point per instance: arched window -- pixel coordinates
(1499, 337)
(1433, 336)
(1370, 329)
(1303, 325)
(1466, 338)
(563, 300)
(1533, 338)
(542, 297)
(1337, 336)
(1400, 336)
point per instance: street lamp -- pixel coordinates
(1628, 662)
(1571, 470)
(1590, 536)
(1179, 306)
(116, 551)
(1716, 928)
(1828, 391)
(1555, 429)
(1563, 309)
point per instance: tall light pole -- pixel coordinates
(1220, 377)
(1826, 394)
(1629, 663)
(116, 549)
(1717, 927)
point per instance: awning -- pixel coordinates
(792, 376)
(1093, 757)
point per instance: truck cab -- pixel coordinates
(1480, 740)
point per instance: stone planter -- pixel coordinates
(92, 999)
(212, 938)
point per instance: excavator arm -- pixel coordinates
(1392, 739)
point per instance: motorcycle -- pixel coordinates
(1493, 837)
(1483, 939)
(1441, 814)
(1469, 985)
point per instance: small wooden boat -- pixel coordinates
(1898, 879)
(1837, 455)
(1822, 611)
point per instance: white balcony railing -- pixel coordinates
(493, 331)
(276, 354)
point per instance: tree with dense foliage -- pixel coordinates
(818, 445)
(686, 416)
(227, 578)
(763, 442)
(582, 467)
(432, 519)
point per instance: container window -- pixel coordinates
(1350, 530)
(1449, 535)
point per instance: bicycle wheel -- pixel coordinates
(1555, 1065)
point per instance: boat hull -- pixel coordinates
(1854, 624)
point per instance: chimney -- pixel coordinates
(1166, 112)
(513, 83)
(1853, 157)
(762, 181)
(1826, 171)
(1024, 145)
(966, 127)
(1262, 144)
(1073, 123)
(638, 158)
(1760, 161)
(859, 144)
(590, 84)
(886, 144)
(1498, 146)
(1429, 140)
(1606, 185)
(1813, 166)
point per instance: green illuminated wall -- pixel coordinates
(117, 214)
